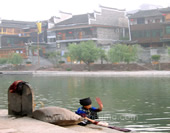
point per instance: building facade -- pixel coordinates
(150, 28)
(16, 35)
(105, 28)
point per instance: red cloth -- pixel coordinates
(13, 87)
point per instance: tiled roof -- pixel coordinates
(76, 20)
(146, 13)
(19, 24)
(165, 10)
(16, 24)
(112, 8)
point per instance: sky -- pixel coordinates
(38, 10)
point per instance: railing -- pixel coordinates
(20, 34)
(25, 34)
(78, 37)
(6, 53)
(9, 33)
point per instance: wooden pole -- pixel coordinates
(38, 47)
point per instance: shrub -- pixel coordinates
(16, 59)
(28, 62)
(68, 69)
(3, 60)
(61, 62)
(156, 57)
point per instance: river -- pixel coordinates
(137, 103)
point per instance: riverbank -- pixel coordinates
(92, 73)
(9, 124)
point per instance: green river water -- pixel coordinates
(140, 104)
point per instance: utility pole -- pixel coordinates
(38, 47)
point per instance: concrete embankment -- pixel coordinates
(9, 124)
(92, 73)
(17, 72)
(105, 73)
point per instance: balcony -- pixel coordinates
(146, 26)
(8, 33)
(76, 39)
(25, 34)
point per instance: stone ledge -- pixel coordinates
(9, 124)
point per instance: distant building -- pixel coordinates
(106, 27)
(15, 35)
(166, 26)
(151, 28)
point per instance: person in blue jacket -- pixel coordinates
(87, 111)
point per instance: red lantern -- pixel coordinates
(70, 32)
(163, 14)
(132, 20)
(59, 33)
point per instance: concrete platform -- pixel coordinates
(10, 124)
(92, 73)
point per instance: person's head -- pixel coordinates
(86, 103)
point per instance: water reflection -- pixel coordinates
(137, 103)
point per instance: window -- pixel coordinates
(147, 34)
(59, 37)
(140, 34)
(157, 20)
(26, 30)
(51, 39)
(4, 29)
(140, 21)
(63, 36)
(150, 21)
(69, 34)
(167, 29)
(156, 33)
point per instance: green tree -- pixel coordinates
(3, 60)
(84, 51)
(54, 57)
(169, 50)
(102, 55)
(123, 53)
(15, 59)
(74, 51)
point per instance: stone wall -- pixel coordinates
(116, 67)
(111, 17)
(146, 54)
(107, 35)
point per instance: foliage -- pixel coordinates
(3, 60)
(102, 55)
(61, 62)
(123, 53)
(28, 62)
(124, 38)
(155, 57)
(33, 48)
(16, 59)
(54, 57)
(169, 50)
(84, 51)
(74, 51)
(68, 69)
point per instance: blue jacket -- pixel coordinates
(90, 113)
